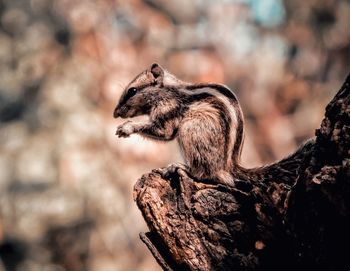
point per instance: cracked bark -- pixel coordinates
(258, 226)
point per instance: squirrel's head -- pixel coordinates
(144, 92)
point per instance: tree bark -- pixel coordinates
(258, 226)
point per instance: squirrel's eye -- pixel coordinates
(131, 92)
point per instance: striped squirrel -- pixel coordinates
(206, 119)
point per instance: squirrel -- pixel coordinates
(207, 121)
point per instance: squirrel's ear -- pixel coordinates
(157, 72)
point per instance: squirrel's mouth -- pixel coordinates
(116, 113)
(125, 112)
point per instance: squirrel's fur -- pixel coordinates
(206, 119)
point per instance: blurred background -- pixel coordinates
(66, 180)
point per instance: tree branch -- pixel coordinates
(257, 226)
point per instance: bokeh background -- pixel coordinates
(66, 181)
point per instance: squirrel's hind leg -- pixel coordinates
(225, 178)
(174, 168)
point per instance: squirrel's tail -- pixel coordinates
(284, 171)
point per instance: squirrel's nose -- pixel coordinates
(116, 113)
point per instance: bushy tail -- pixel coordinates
(283, 171)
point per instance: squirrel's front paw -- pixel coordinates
(125, 130)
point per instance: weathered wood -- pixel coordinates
(318, 213)
(257, 226)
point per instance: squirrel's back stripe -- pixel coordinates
(229, 99)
